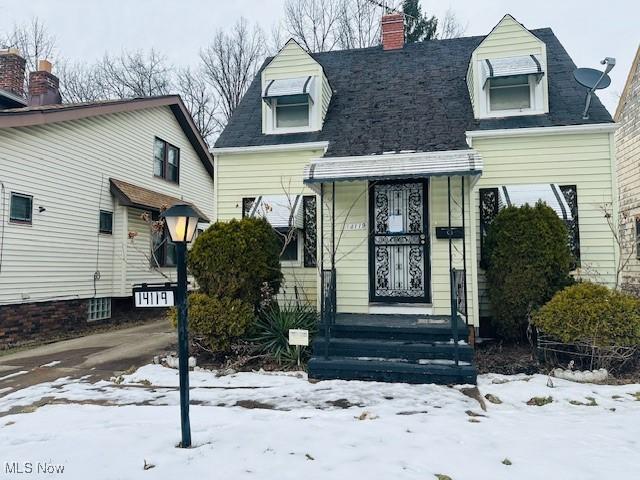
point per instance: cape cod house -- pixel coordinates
(388, 163)
(80, 185)
(628, 154)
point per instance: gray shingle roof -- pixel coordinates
(410, 99)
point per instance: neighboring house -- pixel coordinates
(628, 153)
(411, 150)
(75, 181)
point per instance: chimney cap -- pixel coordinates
(44, 66)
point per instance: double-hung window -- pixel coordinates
(21, 210)
(509, 93)
(291, 112)
(166, 161)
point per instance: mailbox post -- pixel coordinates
(182, 220)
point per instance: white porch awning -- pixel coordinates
(506, 67)
(550, 194)
(287, 87)
(393, 166)
(281, 211)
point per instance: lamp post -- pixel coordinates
(182, 220)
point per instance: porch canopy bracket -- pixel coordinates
(393, 166)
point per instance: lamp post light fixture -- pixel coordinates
(181, 220)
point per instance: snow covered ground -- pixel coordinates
(279, 426)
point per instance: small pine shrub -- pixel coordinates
(271, 331)
(527, 261)
(591, 313)
(216, 322)
(237, 259)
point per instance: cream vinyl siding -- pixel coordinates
(293, 61)
(628, 153)
(352, 245)
(66, 166)
(247, 175)
(585, 160)
(507, 39)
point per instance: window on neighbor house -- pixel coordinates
(510, 93)
(638, 237)
(99, 308)
(163, 249)
(106, 222)
(166, 160)
(291, 112)
(21, 208)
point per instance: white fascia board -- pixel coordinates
(537, 131)
(284, 147)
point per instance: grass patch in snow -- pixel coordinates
(440, 476)
(540, 401)
(591, 402)
(506, 461)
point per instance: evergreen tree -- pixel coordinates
(418, 27)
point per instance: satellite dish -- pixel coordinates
(594, 80)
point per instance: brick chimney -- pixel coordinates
(44, 87)
(392, 31)
(12, 71)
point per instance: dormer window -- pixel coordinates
(509, 93)
(512, 86)
(292, 111)
(290, 105)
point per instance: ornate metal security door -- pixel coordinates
(398, 242)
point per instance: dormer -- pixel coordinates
(507, 74)
(295, 92)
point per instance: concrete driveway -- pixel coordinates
(99, 355)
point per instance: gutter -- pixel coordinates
(538, 131)
(283, 147)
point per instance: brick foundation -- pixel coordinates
(22, 323)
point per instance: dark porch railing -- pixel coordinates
(328, 310)
(458, 306)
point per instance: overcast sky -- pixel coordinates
(589, 29)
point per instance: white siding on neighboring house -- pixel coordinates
(66, 166)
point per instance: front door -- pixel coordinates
(398, 242)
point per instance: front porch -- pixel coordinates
(397, 250)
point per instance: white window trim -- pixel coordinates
(535, 101)
(315, 123)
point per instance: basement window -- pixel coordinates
(99, 309)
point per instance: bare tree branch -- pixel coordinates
(450, 27)
(231, 62)
(314, 24)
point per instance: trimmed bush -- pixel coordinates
(527, 260)
(237, 259)
(591, 313)
(216, 322)
(271, 332)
